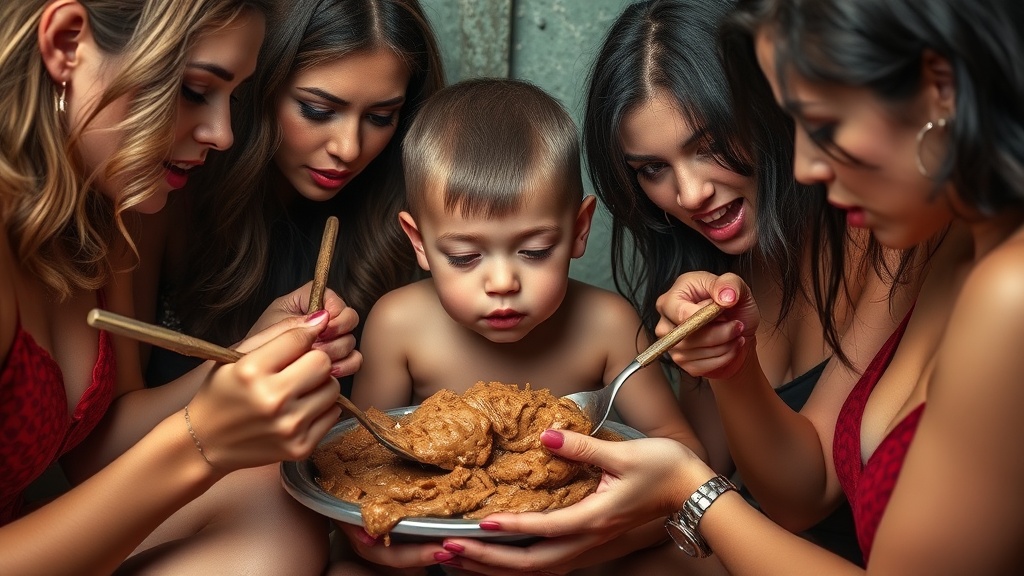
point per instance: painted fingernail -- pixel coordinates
(317, 317)
(727, 295)
(443, 556)
(490, 525)
(365, 538)
(552, 438)
(453, 547)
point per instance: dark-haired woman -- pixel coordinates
(699, 186)
(319, 133)
(911, 114)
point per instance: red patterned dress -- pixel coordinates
(869, 486)
(35, 427)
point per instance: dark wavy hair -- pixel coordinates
(671, 45)
(879, 44)
(252, 248)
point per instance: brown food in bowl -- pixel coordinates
(516, 474)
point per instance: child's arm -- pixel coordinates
(384, 381)
(645, 401)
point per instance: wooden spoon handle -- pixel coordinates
(160, 336)
(171, 340)
(688, 326)
(323, 265)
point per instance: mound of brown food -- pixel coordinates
(497, 466)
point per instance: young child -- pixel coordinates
(496, 214)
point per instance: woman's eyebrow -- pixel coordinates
(342, 102)
(696, 136)
(214, 69)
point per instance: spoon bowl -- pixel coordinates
(597, 404)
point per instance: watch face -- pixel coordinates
(682, 536)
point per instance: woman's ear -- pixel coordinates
(415, 238)
(939, 81)
(61, 30)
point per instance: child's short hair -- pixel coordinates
(484, 142)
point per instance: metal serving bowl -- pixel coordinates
(299, 479)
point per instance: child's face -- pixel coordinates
(501, 277)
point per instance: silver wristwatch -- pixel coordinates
(682, 525)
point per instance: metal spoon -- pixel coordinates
(596, 404)
(198, 348)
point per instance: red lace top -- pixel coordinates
(35, 427)
(869, 486)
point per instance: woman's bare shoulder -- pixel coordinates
(994, 289)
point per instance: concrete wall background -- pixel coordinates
(551, 43)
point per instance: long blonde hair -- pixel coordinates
(59, 227)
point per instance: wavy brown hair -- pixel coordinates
(59, 227)
(252, 248)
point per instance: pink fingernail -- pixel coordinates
(490, 525)
(453, 547)
(366, 538)
(317, 317)
(727, 295)
(443, 556)
(552, 439)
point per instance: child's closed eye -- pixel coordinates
(461, 260)
(537, 254)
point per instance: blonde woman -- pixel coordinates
(107, 108)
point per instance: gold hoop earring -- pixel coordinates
(940, 123)
(62, 102)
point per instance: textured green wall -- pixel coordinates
(551, 43)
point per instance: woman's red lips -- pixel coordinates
(328, 178)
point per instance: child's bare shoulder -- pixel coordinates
(406, 307)
(601, 309)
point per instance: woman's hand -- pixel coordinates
(719, 349)
(336, 339)
(396, 555)
(274, 404)
(643, 480)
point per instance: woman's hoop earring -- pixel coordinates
(667, 219)
(62, 102)
(940, 123)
